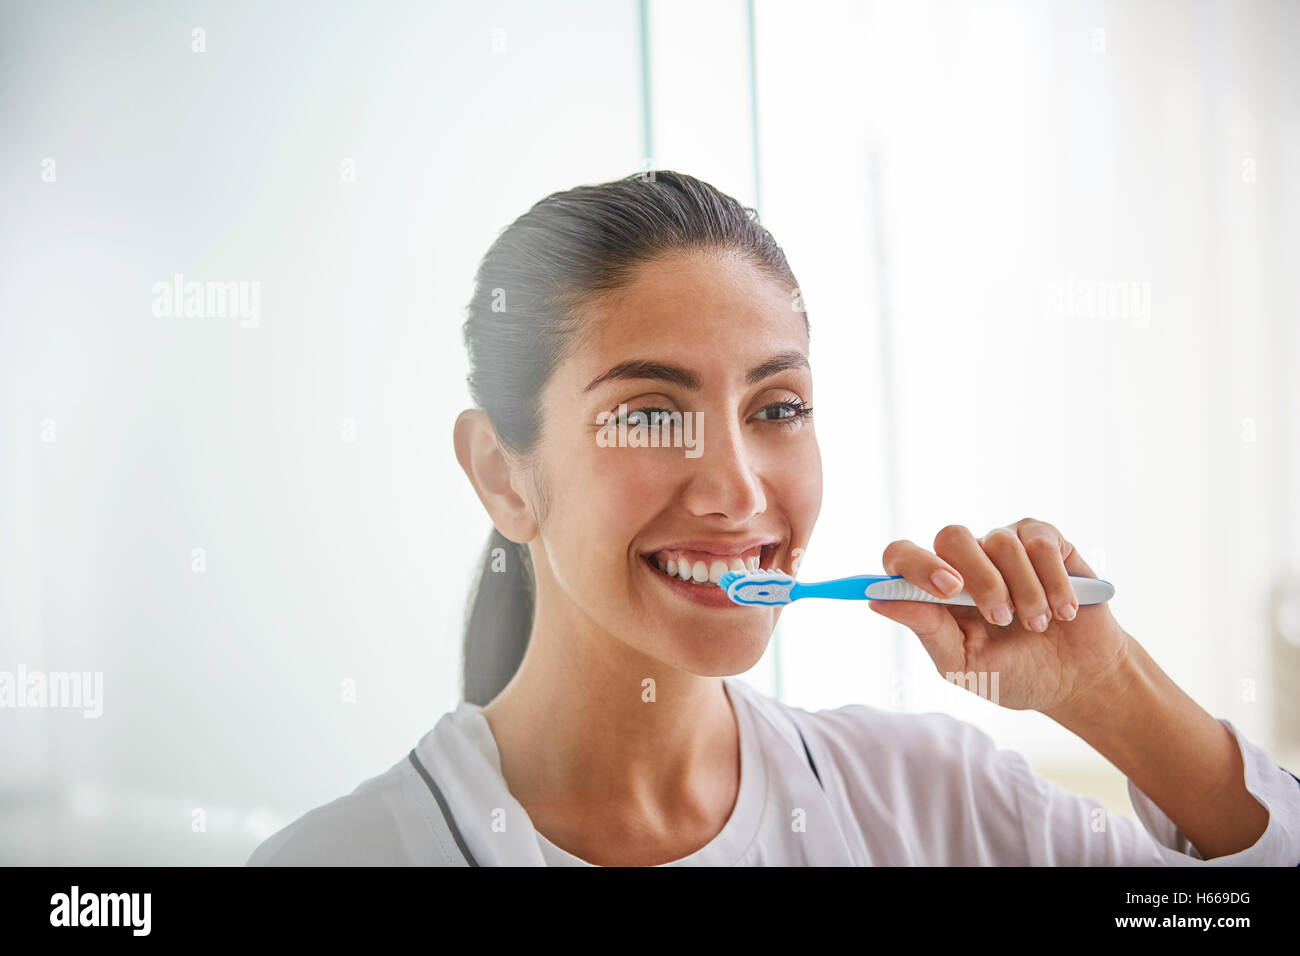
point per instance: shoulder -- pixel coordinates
(930, 789)
(383, 822)
(861, 734)
(894, 735)
(924, 788)
(918, 767)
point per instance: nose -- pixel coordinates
(725, 482)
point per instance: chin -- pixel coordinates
(722, 655)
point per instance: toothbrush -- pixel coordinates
(762, 588)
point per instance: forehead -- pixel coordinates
(711, 311)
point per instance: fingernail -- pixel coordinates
(1067, 612)
(945, 583)
(1038, 623)
(1002, 615)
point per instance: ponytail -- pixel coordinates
(499, 620)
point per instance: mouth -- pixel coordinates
(703, 567)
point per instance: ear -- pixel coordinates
(490, 472)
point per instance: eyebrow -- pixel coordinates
(676, 375)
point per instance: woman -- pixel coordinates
(600, 725)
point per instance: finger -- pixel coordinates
(1074, 563)
(1047, 551)
(936, 628)
(1004, 547)
(956, 545)
(918, 566)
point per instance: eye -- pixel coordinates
(648, 416)
(789, 413)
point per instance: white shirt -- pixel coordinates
(900, 789)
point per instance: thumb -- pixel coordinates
(937, 629)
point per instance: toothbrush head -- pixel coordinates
(758, 588)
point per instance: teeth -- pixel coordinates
(702, 572)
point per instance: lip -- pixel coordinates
(713, 596)
(719, 546)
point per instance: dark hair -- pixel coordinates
(571, 249)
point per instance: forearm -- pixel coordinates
(1175, 752)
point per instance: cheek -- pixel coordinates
(622, 487)
(602, 499)
(796, 483)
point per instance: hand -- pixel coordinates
(1049, 654)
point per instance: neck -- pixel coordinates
(590, 721)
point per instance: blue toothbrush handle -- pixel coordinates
(845, 589)
(875, 587)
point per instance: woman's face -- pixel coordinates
(711, 336)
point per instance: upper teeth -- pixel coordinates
(698, 570)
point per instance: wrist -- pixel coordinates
(1109, 697)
